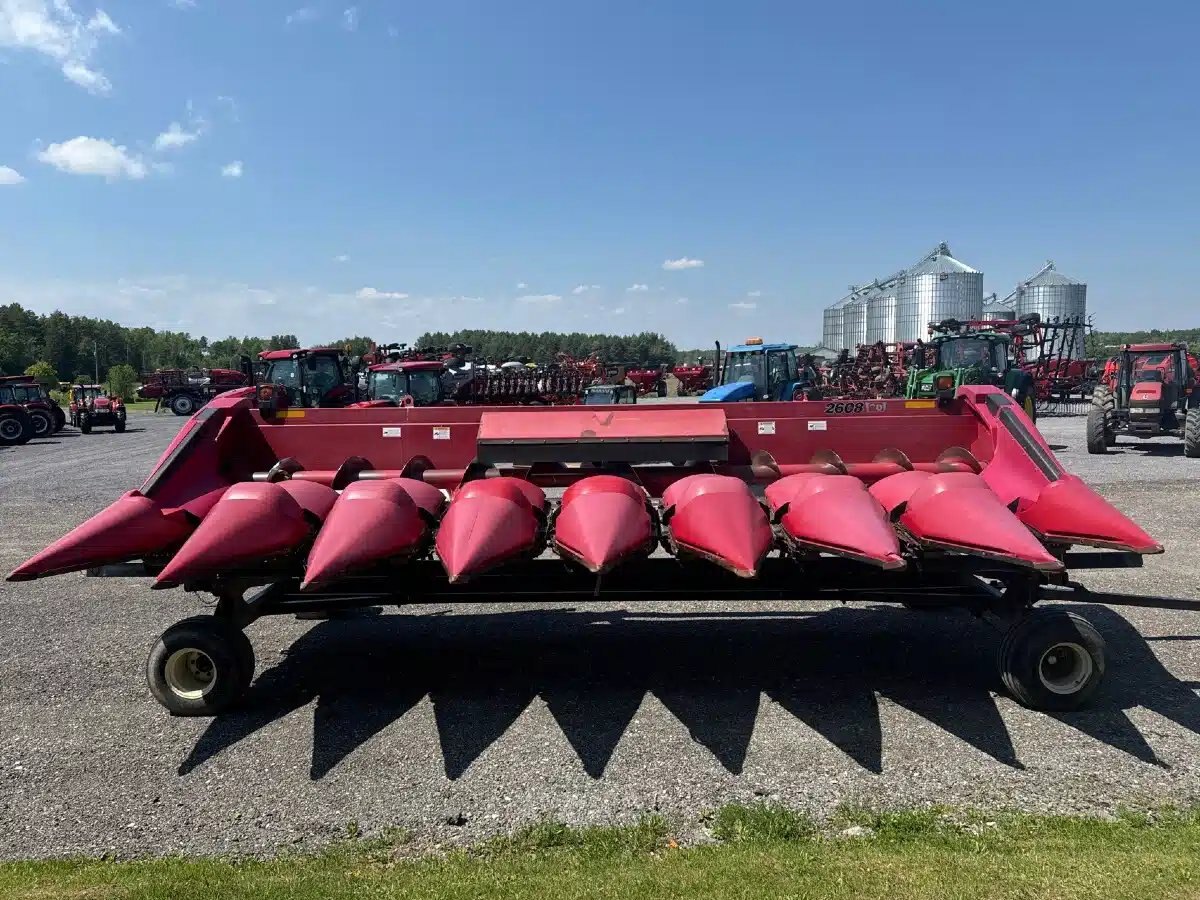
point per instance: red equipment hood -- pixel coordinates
(1146, 392)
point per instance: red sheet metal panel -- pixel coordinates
(566, 425)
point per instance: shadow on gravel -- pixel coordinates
(830, 670)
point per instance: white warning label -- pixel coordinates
(766, 427)
(393, 431)
(441, 434)
(818, 425)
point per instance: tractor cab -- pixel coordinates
(758, 371)
(318, 377)
(415, 383)
(609, 394)
(957, 356)
(48, 417)
(1153, 382)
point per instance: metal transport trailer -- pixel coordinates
(926, 503)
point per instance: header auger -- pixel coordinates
(317, 510)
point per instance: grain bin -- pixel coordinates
(938, 287)
(881, 315)
(1056, 298)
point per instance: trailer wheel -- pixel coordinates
(183, 404)
(1191, 433)
(200, 666)
(1052, 660)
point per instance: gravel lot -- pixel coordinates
(460, 722)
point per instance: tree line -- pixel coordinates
(646, 348)
(83, 349)
(1101, 344)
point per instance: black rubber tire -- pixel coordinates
(1096, 431)
(230, 657)
(183, 404)
(1191, 433)
(1103, 398)
(15, 428)
(60, 419)
(119, 426)
(43, 423)
(1030, 644)
(1030, 408)
(85, 424)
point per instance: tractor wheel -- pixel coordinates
(1030, 407)
(85, 423)
(200, 666)
(15, 428)
(1052, 660)
(60, 419)
(1191, 433)
(119, 426)
(1097, 433)
(43, 423)
(183, 404)
(1103, 398)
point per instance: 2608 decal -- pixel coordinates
(854, 407)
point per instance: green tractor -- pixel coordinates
(957, 355)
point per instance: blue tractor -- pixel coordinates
(758, 371)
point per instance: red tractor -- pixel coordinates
(93, 407)
(1147, 390)
(16, 427)
(319, 377)
(46, 414)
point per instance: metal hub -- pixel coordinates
(1065, 668)
(190, 673)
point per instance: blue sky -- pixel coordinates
(252, 166)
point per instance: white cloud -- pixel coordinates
(753, 293)
(93, 156)
(233, 169)
(682, 301)
(350, 18)
(619, 311)
(521, 285)
(584, 288)
(369, 293)
(539, 298)
(177, 136)
(89, 79)
(393, 31)
(637, 288)
(342, 258)
(10, 176)
(684, 262)
(301, 16)
(56, 30)
(183, 4)
(101, 23)
(743, 305)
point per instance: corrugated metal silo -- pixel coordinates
(854, 321)
(939, 287)
(831, 330)
(995, 310)
(881, 315)
(1056, 298)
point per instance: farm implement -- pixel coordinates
(183, 391)
(279, 510)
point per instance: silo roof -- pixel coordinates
(941, 262)
(1049, 275)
